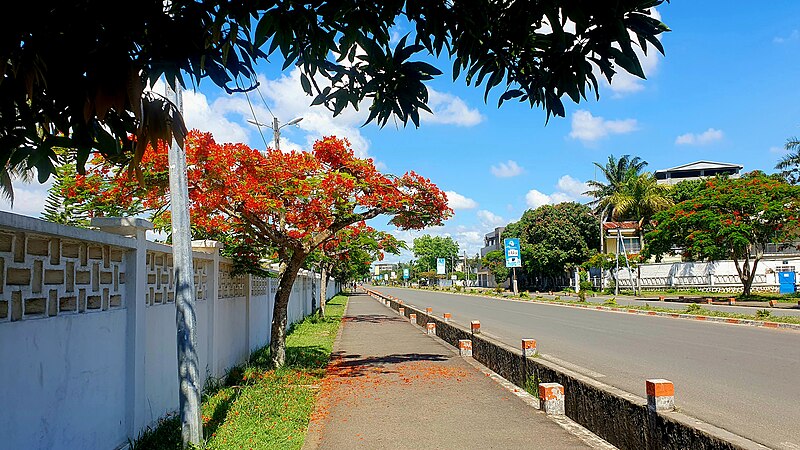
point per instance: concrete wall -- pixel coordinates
(88, 334)
(619, 417)
(716, 276)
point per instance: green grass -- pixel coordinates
(257, 407)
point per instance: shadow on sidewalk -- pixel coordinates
(372, 318)
(356, 365)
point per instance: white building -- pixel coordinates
(696, 170)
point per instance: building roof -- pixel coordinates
(628, 224)
(702, 165)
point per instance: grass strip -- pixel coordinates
(256, 407)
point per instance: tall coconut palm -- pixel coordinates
(789, 165)
(639, 198)
(617, 173)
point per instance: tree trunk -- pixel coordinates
(323, 288)
(277, 344)
(746, 273)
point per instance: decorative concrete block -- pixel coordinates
(528, 347)
(430, 328)
(732, 301)
(475, 327)
(429, 311)
(661, 298)
(18, 277)
(465, 347)
(447, 317)
(551, 398)
(412, 318)
(401, 311)
(709, 301)
(660, 395)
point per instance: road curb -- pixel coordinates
(619, 417)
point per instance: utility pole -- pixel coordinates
(185, 319)
(276, 129)
(276, 133)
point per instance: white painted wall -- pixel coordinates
(92, 379)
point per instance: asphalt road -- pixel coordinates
(743, 379)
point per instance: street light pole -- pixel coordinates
(185, 318)
(276, 128)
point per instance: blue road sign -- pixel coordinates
(405, 274)
(440, 268)
(513, 254)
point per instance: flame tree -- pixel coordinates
(268, 204)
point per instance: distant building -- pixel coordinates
(628, 230)
(386, 267)
(697, 170)
(491, 241)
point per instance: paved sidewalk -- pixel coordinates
(389, 386)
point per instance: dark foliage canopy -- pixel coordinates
(73, 73)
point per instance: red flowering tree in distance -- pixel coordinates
(262, 203)
(730, 218)
(348, 255)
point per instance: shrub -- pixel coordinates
(582, 295)
(611, 302)
(763, 314)
(586, 286)
(459, 288)
(693, 308)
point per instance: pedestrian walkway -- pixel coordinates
(390, 386)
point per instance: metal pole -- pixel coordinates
(276, 133)
(514, 280)
(185, 319)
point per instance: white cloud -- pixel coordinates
(704, 138)
(458, 201)
(449, 110)
(490, 220)
(535, 198)
(507, 169)
(199, 114)
(775, 150)
(588, 128)
(29, 198)
(793, 36)
(226, 117)
(568, 188)
(571, 186)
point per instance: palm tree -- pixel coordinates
(617, 172)
(10, 173)
(789, 165)
(639, 198)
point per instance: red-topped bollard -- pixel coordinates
(447, 317)
(660, 395)
(412, 318)
(465, 347)
(528, 347)
(430, 328)
(429, 310)
(551, 398)
(475, 327)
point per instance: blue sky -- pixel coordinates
(725, 91)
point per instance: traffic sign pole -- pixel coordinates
(514, 280)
